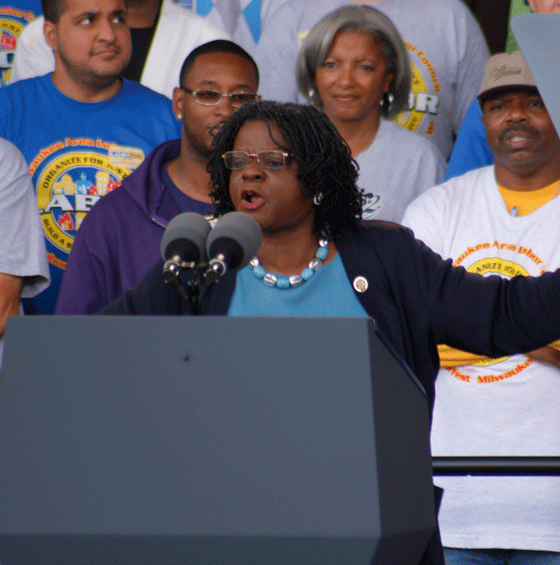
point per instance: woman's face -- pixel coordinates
(545, 6)
(352, 79)
(272, 196)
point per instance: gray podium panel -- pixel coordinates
(210, 440)
(537, 37)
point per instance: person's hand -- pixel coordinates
(547, 355)
(10, 290)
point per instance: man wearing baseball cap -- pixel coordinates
(500, 220)
(470, 149)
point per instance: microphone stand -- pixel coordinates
(207, 275)
(211, 272)
(203, 276)
(171, 271)
(196, 291)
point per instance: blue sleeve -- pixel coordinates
(471, 150)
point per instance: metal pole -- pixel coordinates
(530, 466)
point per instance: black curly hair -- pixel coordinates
(324, 162)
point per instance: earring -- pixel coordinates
(318, 198)
(179, 116)
(386, 102)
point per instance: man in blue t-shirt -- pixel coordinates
(81, 128)
(120, 238)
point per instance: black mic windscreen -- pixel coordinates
(185, 236)
(238, 236)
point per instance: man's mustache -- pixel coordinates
(216, 128)
(511, 131)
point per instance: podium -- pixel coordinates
(210, 440)
(537, 37)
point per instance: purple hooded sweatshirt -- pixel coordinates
(120, 236)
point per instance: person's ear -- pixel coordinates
(388, 82)
(178, 103)
(50, 33)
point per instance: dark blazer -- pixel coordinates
(418, 301)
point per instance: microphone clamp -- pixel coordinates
(173, 266)
(216, 268)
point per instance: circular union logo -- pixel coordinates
(411, 120)
(68, 187)
(9, 32)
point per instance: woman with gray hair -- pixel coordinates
(355, 67)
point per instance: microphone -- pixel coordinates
(183, 244)
(232, 243)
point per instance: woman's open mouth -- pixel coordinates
(251, 200)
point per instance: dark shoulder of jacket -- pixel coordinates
(385, 248)
(384, 228)
(383, 235)
(151, 296)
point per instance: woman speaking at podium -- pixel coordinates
(287, 167)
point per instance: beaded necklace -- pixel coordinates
(281, 281)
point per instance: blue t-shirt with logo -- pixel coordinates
(77, 152)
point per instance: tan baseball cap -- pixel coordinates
(503, 70)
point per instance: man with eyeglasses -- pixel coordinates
(119, 239)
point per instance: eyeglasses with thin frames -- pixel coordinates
(273, 159)
(210, 97)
